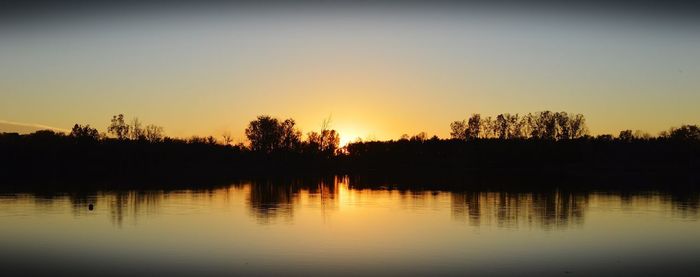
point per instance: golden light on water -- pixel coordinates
(339, 221)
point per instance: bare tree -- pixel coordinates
(325, 125)
(487, 126)
(153, 133)
(563, 126)
(137, 132)
(210, 140)
(326, 141)
(515, 126)
(501, 127)
(578, 127)
(228, 139)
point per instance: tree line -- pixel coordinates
(542, 125)
(267, 134)
(548, 125)
(507, 144)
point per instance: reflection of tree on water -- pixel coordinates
(80, 201)
(325, 194)
(132, 204)
(512, 210)
(557, 209)
(269, 200)
(686, 205)
(129, 204)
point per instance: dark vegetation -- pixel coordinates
(535, 149)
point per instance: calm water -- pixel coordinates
(319, 228)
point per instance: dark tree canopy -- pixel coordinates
(473, 127)
(84, 132)
(325, 142)
(539, 142)
(290, 137)
(625, 135)
(685, 132)
(118, 127)
(267, 134)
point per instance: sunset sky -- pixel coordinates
(378, 71)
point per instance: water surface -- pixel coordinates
(330, 227)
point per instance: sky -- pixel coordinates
(378, 70)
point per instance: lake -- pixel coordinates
(333, 227)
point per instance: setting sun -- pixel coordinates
(348, 135)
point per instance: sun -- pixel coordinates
(346, 139)
(347, 136)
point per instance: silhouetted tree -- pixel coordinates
(84, 132)
(605, 137)
(153, 133)
(641, 135)
(136, 131)
(290, 136)
(118, 127)
(421, 137)
(563, 127)
(202, 140)
(46, 134)
(325, 142)
(210, 140)
(57, 155)
(264, 134)
(228, 139)
(474, 127)
(196, 140)
(543, 125)
(625, 135)
(685, 132)
(578, 127)
(459, 130)
(515, 124)
(487, 126)
(267, 134)
(501, 126)
(331, 140)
